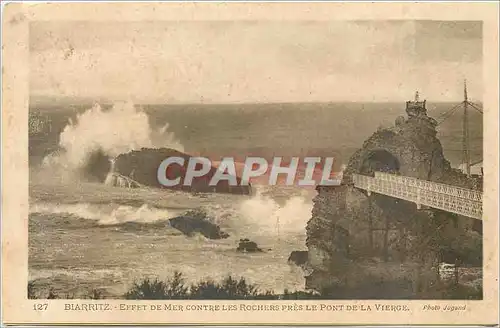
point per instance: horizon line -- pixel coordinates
(89, 101)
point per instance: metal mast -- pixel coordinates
(465, 105)
(465, 133)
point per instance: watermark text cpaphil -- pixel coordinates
(305, 171)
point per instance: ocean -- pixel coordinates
(84, 235)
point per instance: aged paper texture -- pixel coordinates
(262, 163)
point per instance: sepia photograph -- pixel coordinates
(396, 104)
(256, 159)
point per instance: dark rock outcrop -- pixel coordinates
(298, 258)
(348, 228)
(248, 246)
(194, 222)
(142, 166)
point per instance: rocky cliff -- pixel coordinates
(353, 239)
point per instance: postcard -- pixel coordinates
(262, 163)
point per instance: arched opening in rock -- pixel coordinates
(379, 160)
(384, 212)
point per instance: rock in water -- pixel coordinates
(298, 258)
(142, 166)
(342, 235)
(249, 246)
(196, 222)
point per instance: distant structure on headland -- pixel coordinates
(38, 123)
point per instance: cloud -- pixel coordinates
(250, 61)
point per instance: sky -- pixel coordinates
(255, 61)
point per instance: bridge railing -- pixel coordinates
(448, 198)
(432, 186)
(118, 180)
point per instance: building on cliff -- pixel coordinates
(357, 242)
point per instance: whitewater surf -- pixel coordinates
(86, 234)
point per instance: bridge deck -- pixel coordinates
(437, 195)
(118, 180)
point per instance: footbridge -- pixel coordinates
(118, 180)
(445, 197)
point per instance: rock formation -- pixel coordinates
(196, 222)
(299, 258)
(248, 246)
(142, 166)
(349, 233)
